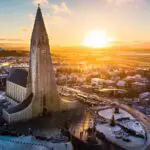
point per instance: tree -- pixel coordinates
(113, 122)
(116, 110)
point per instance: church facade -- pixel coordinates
(39, 95)
(16, 84)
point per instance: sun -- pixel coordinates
(97, 39)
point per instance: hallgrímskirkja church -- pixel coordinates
(35, 90)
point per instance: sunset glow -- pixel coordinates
(97, 39)
(126, 21)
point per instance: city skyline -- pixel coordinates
(68, 22)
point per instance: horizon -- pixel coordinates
(121, 45)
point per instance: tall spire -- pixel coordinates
(39, 34)
(41, 78)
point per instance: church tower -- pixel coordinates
(41, 78)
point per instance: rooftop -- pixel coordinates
(19, 76)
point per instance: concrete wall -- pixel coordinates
(15, 91)
(24, 114)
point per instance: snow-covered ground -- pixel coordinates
(107, 114)
(5, 99)
(134, 125)
(112, 132)
(2, 95)
(31, 143)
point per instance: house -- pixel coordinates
(109, 82)
(139, 87)
(144, 98)
(144, 95)
(121, 84)
(97, 81)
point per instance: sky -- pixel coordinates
(68, 21)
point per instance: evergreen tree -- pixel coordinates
(113, 122)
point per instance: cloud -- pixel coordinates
(122, 2)
(56, 19)
(58, 13)
(9, 39)
(60, 8)
(41, 2)
(31, 16)
(25, 29)
(55, 13)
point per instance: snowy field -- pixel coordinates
(2, 95)
(107, 114)
(134, 125)
(6, 101)
(111, 133)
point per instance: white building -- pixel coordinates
(144, 95)
(138, 86)
(121, 84)
(16, 84)
(97, 81)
